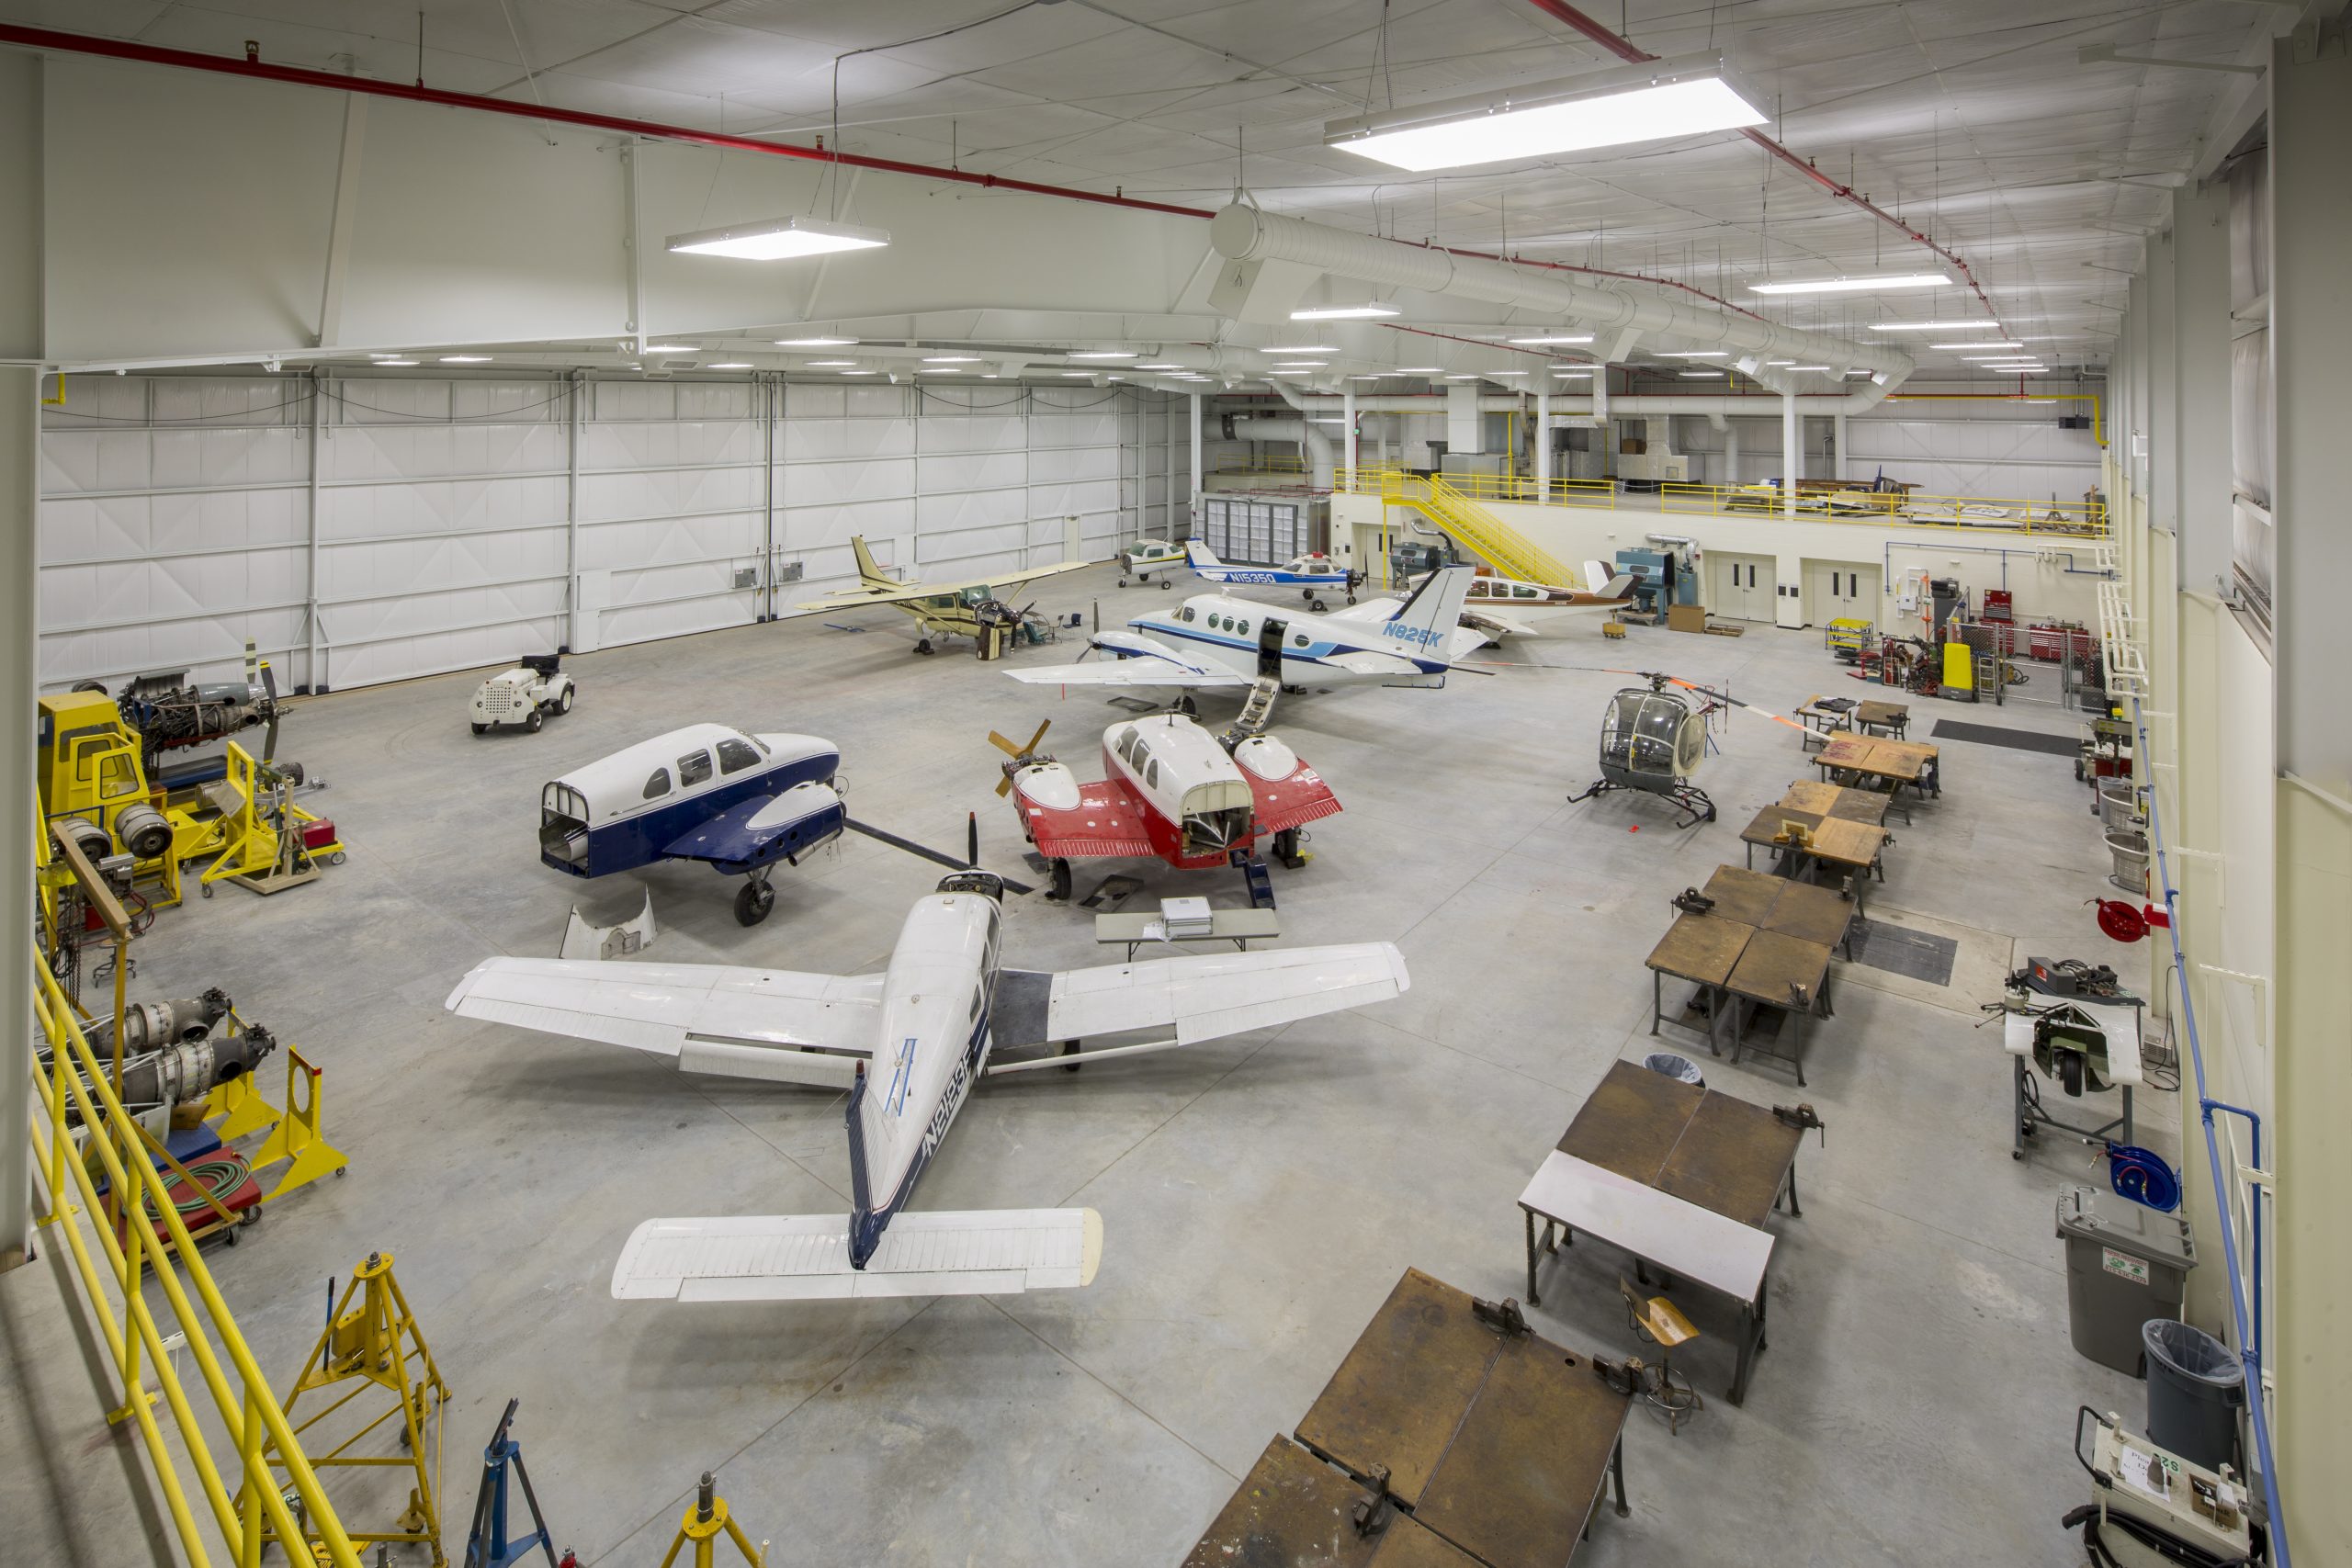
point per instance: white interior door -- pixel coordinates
(1744, 587)
(1841, 590)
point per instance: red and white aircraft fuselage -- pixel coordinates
(1170, 791)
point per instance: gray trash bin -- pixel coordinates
(2195, 1387)
(2125, 1264)
(1680, 1068)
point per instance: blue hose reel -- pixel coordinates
(2143, 1176)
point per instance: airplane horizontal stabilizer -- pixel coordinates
(778, 1258)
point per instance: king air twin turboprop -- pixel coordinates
(1213, 640)
(909, 1044)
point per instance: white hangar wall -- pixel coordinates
(445, 522)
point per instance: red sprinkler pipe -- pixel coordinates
(418, 93)
(1624, 50)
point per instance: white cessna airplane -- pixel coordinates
(1213, 640)
(907, 1044)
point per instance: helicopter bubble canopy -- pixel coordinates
(1650, 738)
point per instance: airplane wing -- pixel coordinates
(1142, 662)
(1292, 802)
(1367, 661)
(771, 1024)
(1107, 820)
(764, 829)
(1198, 999)
(769, 1258)
(914, 590)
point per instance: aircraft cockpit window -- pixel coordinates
(735, 755)
(1152, 774)
(977, 594)
(693, 769)
(658, 784)
(1185, 614)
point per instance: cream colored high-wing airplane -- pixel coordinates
(939, 609)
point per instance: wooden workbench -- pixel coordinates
(1849, 849)
(1703, 949)
(1898, 764)
(1835, 800)
(1821, 723)
(1872, 716)
(1496, 1446)
(1680, 1176)
(1764, 935)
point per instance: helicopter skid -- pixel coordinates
(1696, 807)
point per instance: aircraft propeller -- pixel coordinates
(1020, 755)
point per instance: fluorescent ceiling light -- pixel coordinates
(464, 359)
(1510, 372)
(1302, 348)
(861, 373)
(1421, 370)
(814, 342)
(1808, 367)
(1318, 419)
(1466, 377)
(1783, 364)
(1935, 326)
(1694, 354)
(730, 364)
(1161, 368)
(1700, 375)
(1301, 365)
(396, 362)
(830, 363)
(1571, 375)
(1341, 312)
(1982, 343)
(1533, 341)
(1104, 354)
(1367, 378)
(953, 358)
(777, 239)
(1686, 97)
(1085, 374)
(1866, 285)
(2042, 400)
(671, 348)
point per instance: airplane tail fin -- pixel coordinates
(1595, 575)
(1199, 553)
(1428, 618)
(1618, 586)
(869, 570)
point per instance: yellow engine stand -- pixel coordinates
(706, 1516)
(263, 834)
(371, 1342)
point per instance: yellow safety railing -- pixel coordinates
(79, 1124)
(1268, 463)
(1475, 529)
(2076, 519)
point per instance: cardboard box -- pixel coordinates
(1686, 619)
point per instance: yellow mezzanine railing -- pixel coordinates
(77, 1096)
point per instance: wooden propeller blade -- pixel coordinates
(1002, 744)
(1004, 787)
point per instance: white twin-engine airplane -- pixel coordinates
(907, 1044)
(1213, 640)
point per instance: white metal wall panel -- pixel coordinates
(177, 516)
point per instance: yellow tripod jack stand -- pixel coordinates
(372, 1342)
(701, 1526)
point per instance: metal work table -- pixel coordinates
(1777, 904)
(2119, 1023)
(1779, 970)
(1703, 949)
(1900, 763)
(1835, 800)
(1495, 1444)
(1851, 847)
(1872, 716)
(1820, 722)
(1678, 1175)
(1235, 926)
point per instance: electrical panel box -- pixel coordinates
(2165, 1493)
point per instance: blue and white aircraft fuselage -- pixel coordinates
(740, 803)
(1307, 572)
(1212, 639)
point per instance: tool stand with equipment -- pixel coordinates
(2154, 1509)
(2068, 1021)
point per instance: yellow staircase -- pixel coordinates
(1477, 530)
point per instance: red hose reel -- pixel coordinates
(2130, 922)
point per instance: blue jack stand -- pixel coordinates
(486, 1544)
(1254, 876)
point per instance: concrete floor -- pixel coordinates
(1260, 1195)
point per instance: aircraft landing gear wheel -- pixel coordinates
(481, 729)
(1187, 707)
(563, 703)
(1317, 606)
(534, 721)
(1123, 582)
(1164, 586)
(1061, 882)
(1286, 848)
(752, 902)
(924, 648)
(1069, 1048)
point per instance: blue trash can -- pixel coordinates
(2196, 1387)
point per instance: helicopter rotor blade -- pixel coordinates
(1004, 787)
(1007, 747)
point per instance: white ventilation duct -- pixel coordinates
(1760, 406)
(1295, 428)
(1245, 233)
(1319, 455)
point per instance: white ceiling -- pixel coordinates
(1973, 119)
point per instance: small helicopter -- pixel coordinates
(1653, 739)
